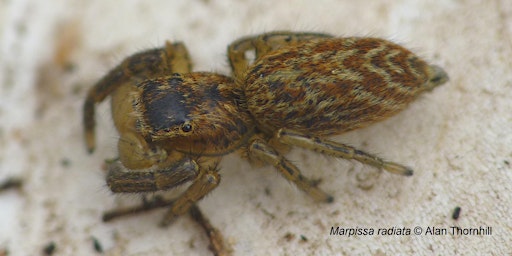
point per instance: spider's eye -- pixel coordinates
(186, 127)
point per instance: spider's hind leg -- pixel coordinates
(262, 45)
(340, 150)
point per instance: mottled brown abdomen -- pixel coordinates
(330, 86)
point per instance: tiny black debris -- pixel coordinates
(49, 249)
(456, 213)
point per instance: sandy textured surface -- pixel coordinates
(458, 138)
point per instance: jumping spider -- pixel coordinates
(299, 89)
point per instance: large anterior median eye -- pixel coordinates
(186, 127)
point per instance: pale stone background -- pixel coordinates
(458, 138)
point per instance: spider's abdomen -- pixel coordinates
(329, 86)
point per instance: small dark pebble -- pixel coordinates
(456, 213)
(97, 245)
(11, 183)
(49, 249)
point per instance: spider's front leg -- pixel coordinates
(263, 44)
(173, 58)
(204, 179)
(207, 180)
(122, 180)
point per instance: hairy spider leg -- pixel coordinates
(340, 150)
(173, 58)
(263, 44)
(262, 151)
